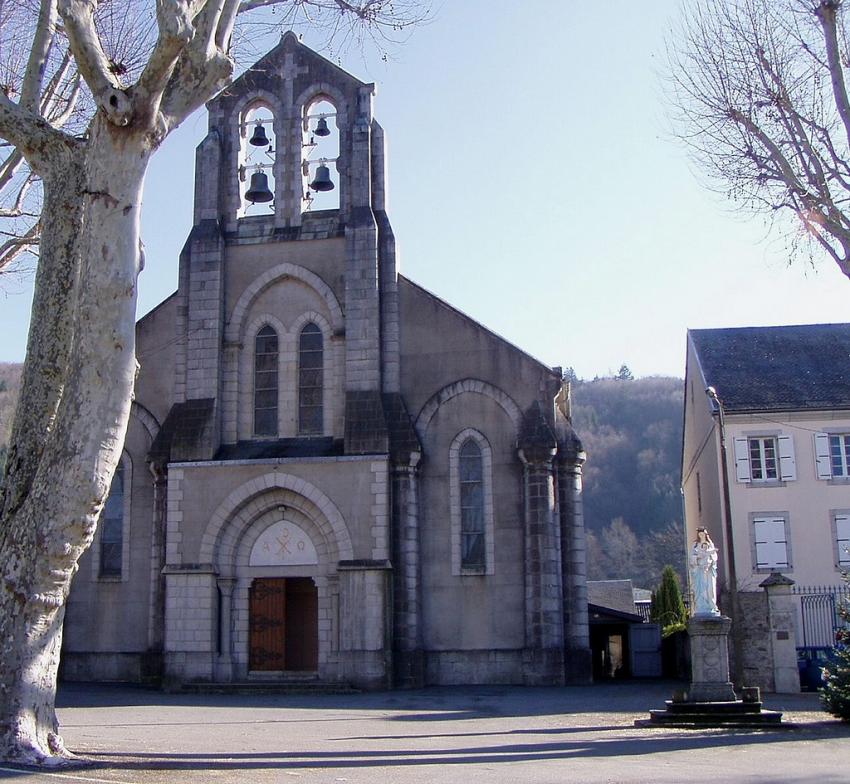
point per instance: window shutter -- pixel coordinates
(787, 463)
(822, 461)
(742, 460)
(842, 535)
(771, 547)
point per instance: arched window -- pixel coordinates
(473, 530)
(112, 527)
(310, 381)
(471, 476)
(265, 382)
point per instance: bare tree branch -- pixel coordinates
(15, 247)
(758, 94)
(176, 30)
(31, 87)
(29, 132)
(94, 66)
(826, 12)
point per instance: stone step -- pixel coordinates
(709, 718)
(288, 686)
(733, 707)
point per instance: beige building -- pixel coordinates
(330, 472)
(785, 397)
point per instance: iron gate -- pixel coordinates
(819, 616)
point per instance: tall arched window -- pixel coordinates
(265, 382)
(471, 475)
(310, 381)
(112, 527)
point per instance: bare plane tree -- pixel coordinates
(759, 89)
(89, 91)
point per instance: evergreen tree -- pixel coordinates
(835, 695)
(668, 607)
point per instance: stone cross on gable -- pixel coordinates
(290, 72)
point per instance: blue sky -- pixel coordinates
(535, 185)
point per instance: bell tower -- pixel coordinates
(291, 175)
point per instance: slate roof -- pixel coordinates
(789, 368)
(183, 430)
(281, 447)
(612, 595)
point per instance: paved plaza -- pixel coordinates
(442, 735)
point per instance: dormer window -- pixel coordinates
(321, 151)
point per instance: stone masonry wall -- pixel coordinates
(756, 645)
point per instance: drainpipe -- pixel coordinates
(734, 609)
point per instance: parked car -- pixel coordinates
(811, 661)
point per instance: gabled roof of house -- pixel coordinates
(777, 368)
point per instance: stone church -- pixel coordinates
(330, 473)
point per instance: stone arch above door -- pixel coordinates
(256, 498)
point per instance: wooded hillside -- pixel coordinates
(632, 432)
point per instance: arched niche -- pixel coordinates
(257, 123)
(321, 146)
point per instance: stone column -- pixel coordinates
(224, 665)
(156, 612)
(781, 614)
(577, 657)
(544, 635)
(710, 680)
(408, 664)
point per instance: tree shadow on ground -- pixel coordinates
(639, 744)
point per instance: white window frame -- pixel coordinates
(454, 503)
(785, 462)
(127, 464)
(824, 463)
(776, 519)
(841, 537)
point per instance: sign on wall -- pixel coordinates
(283, 544)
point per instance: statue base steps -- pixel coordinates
(730, 713)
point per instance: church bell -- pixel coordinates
(259, 138)
(322, 181)
(322, 127)
(259, 188)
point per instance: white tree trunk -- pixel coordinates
(78, 382)
(46, 526)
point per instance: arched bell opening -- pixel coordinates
(256, 161)
(320, 144)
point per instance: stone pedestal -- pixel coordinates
(710, 700)
(710, 659)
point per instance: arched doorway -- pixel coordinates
(283, 609)
(283, 625)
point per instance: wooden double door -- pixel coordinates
(284, 624)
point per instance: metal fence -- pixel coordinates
(820, 619)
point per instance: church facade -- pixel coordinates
(329, 473)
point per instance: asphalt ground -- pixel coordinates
(441, 735)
